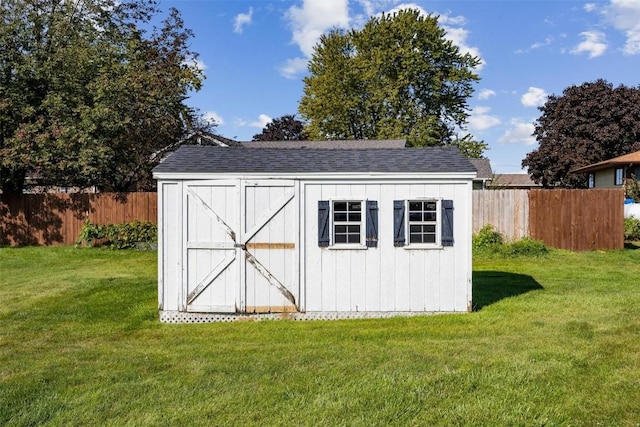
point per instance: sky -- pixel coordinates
(254, 54)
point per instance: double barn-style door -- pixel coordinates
(241, 248)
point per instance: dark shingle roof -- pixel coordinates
(484, 168)
(330, 145)
(209, 159)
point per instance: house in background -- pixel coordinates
(313, 233)
(482, 180)
(612, 173)
(512, 181)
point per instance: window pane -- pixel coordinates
(354, 216)
(354, 206)
(429, 228)
(430, 206)
(339, 216)
(354, 238)
(415, 238)
(339, 206)
(341, 238)
(415, 216)
(430, 216)
(415, 206)
(415, 228)
(341, 229)
(353, 229)
(429, 238)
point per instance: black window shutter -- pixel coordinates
(398, 223)
(323, 223)
(372, 223)
(447, 223)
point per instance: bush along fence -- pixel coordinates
(564, 219)
(129, 235)
(58, 219)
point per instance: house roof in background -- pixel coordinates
(211, 159)
(483, 166)
(335, 145)
(627, 159)
(512, 180)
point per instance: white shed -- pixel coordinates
(313, 233)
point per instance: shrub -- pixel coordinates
(489, 241)
(488, 237)
(632, 229)
(130, 235)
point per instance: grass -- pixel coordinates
(553, 341)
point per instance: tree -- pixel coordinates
(285, 128)
(398, 77)
(586, 124)
(87, 95)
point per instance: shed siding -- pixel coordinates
(169, 245)
(388, 278)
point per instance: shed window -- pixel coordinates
(423, 220)
(428, 223)
(592, 180)
(348, 223)
(619, 177)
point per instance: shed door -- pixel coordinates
(241, 247)
(212, 273)
(270, 246)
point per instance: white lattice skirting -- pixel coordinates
(182, 317)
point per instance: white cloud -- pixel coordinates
(262, 121)
(520, 133)
(241, 20)
(480, 119)
(547, 41)
(624, 15)
(486, 94)
(590, 7)
(213, 117)
(535, 97)
(594, 44)
(293, 67)
(313, 18)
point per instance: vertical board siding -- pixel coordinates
(506, 210)
(57, 219)
(578, 220)
(387, 278)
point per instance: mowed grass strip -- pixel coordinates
(553, 341)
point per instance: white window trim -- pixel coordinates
(407, 231)
(363, 226)
(615, 179)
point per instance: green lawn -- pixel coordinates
(553, 341)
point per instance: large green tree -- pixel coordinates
(87, 96)
(397, 77)
(587, 124)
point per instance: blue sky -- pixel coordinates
(254, 54)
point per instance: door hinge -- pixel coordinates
(241, 246)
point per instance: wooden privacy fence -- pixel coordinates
(57, 219)
(576, 220)
(566, 219)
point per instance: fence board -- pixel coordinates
(506, 210)
(57, 219)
